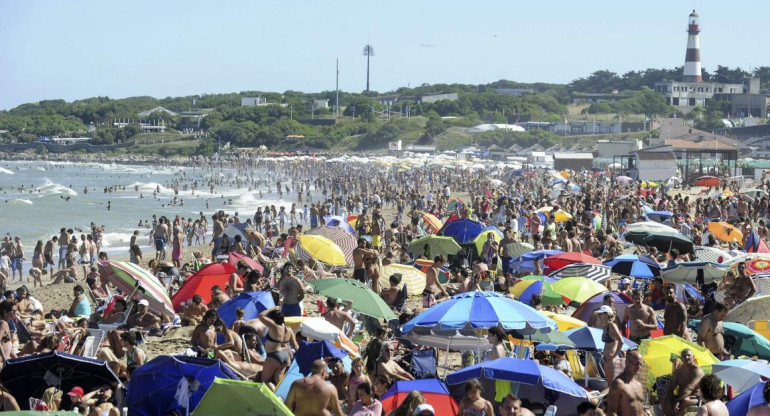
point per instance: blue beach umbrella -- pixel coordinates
(741, 374)
(525, 262)
(253, 303)
(590, 339)
(740, 405)
(464, 231)
(339, 222)
(632, 265)
(479, 310)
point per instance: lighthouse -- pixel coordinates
(692, 58)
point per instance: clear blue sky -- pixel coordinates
(84, 48)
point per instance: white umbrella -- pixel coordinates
(452, 340)
(624, 179)
(690, 272)
(712, 254)
(741, 374)
(651, 226)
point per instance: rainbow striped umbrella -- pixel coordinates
(130, 278)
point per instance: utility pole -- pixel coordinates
(337, 102)
(368, 53)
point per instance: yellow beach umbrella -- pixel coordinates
(578, 289)
(725, 232)
(482, 238)
(322, 249)
(559, 215)
(413, 277)
(658, 353)
(432, 222)
(564, 322)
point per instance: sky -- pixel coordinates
(75, 49)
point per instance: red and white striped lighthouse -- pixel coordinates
(692, 59)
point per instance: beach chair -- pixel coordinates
(424, 363)
(92, 342)
(116, 325)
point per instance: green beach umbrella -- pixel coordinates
(235, 398)
(437, 245)
(556, 338)
(364, 300)
(665, 241)
(747, 341)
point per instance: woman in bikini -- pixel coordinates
(249, 361)
(278, 354)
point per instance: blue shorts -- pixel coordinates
(160, 243)
(16, 262)
(291, 309)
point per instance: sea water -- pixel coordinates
(37, 199)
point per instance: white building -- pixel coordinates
(610, 148)
(655, 165)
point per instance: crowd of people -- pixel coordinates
(582, 212)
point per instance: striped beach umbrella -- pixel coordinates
(131, 278)
(414, 278)
(340, 237)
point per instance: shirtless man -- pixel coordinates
(291, 290)
(339, 317)
(64, 239)
(144, 319)
(503, 248)
(308, 274)
(711, 390)
(743, 287)
(217, 230)
(255, 240)
(359, 266)
(711, 333)
(674, 315)
(687, 378)
(177, 247)
(511, 406)
(626, 396)
(386, 365)
(195, 311)
(204, 337)
(641, 317)
(390, 294)
(161, 235)
(218, 297)
(313, 395)
(17, 258)
(433, 287)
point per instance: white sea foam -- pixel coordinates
(4, 170)
(51, 188)
(117, 239)
(21, 201)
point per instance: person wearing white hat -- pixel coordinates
(611, 337)
(624, 286)
(144, 319)
(424, 410)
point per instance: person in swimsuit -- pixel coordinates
(249, 362)
(612, 339)
(473, 404)
(278, 355)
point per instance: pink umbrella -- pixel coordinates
(235, 258)
(623, 179)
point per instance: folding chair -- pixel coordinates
(93, 342)
(116, 325)
(424, 363)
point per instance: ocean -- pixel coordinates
(37, 199)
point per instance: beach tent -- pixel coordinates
(253, 303)
(236, 229)
(235, 398)
(30, 376)
(433, 390)
(523, 378)
(525, 262)
(173, 383)
(463, 231)
(303, 361)
(214, 274)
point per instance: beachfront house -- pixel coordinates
(653, 165)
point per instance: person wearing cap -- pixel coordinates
(76, 396)
(144, 319)
(624, 286)
(609, 301)
(612, 339)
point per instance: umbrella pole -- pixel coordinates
(446, 357)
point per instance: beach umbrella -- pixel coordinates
(595, 272)
(319, 329)
(590, 339)
(578, 289)
(624, 179)
(637, 236)
(752, 309)
(584, 311)
(433, 390)
(712, 254)
(170, 383)
(525, 262)
(28, 377)
(555, 340)
(564, 322)
(741, 374)
(559, 215)
(531, 285)
(339, 222)
(479, 309)
(517, 249)
(344, 240)
(650, 226)
(754, 192)
(228, 397)
(725, 232)
(201, 283)
(424, 264)
(438, 245)
(483, 237)
(432, 221)
(463, 230)
(133, 280)
(694, 272)
(667, 241)
(253, 303)
(632, 265)
(456, 203)
(754, 396)
(414, 279)
(322, 249)
(234, 258)
(758, 265)
(657, 354)
(560, 260)
(364, 300)
(709, 181)
(519, 371)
